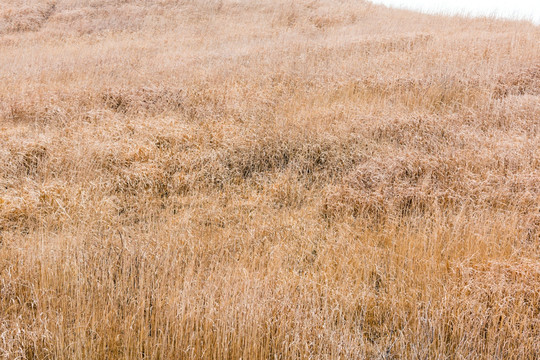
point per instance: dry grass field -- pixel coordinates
(271, 179)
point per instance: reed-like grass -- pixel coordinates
(267, 180)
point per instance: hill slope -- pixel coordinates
(270, 179)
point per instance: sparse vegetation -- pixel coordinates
(200, 179)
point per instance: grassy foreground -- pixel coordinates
(205, 179)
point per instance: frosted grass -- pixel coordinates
(515, 9)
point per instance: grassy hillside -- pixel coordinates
(204, 179)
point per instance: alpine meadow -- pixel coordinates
(270, 179)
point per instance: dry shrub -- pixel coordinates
(248, 155)
(148, 100)
(317, 14)
(26, 18)
(50, 206)
(417, 184)
(54, 110)
(18, 211)
(28, 159)
(522, 82)
(407, 185)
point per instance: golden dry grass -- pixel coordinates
(326, 179)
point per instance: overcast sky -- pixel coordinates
(528, 9)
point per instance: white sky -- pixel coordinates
(521, 9)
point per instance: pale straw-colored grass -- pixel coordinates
(267, 180)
